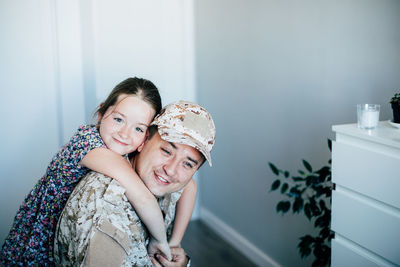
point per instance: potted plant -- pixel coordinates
(308, 192)
(395, 102)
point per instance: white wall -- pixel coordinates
(151, 39)
(30, 132)
(276, 75)
(60, 59)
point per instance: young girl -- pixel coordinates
(122, 128)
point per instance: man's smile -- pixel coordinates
(162, 179)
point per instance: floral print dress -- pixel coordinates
(31, 238)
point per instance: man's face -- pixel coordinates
(166, 167)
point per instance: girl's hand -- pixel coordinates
(173, 244)
(156, 247)
(179, 259)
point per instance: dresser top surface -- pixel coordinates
(385, 133)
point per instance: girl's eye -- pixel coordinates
(119, 120)
(138, 129)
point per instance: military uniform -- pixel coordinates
(99, 227)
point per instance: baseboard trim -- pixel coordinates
(236, 240)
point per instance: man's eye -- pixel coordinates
(138, 129)
(188, 164)
(166, 151)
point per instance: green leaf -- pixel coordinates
(307, 165)
(307, 211)
(330, 144)
(319, 222)
(324, 173)
(322, 255)
(284, 188)
(273, 168)
(319, 190)
(286, 173)
(275, 185)
(311, 179)
(322, 204)
(283, 206)
(325, 232)
(302, 173)
(297, 178)
(298, 205)
(305, 245)
(295, 191)
(323, 221)
(315, 211)
(328, 192)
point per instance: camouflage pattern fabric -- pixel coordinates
(99, 227)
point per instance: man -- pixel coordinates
(99, 227)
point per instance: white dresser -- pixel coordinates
(366, 200)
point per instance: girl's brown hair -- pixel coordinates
(142, 88)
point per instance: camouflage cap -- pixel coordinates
(187, 123)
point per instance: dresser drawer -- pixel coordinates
(368, 172)
(345, 254)
(368, 223)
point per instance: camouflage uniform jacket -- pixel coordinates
(99, 227)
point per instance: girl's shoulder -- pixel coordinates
(87, 133)
(87, 128)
